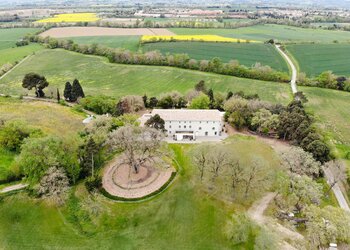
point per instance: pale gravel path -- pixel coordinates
(13, 188)
(294, 69)
(256, 212)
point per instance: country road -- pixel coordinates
(293, 81)
(337, 190)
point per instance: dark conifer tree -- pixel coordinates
(77, 91)
(58, 95)
(67, 93)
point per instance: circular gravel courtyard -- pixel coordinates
(121, 181)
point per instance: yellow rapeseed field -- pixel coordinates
(71, 18)
(202, 38)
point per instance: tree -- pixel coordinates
(303, 191)
(210, 94)
(153, 102)
(337, 172)
(54, 184)
(39, 154)
(201, 159)
(300, 162)
(139, 145)
(254, 175)
(13, 133)
(200, 86)
(67, 93)
(229, 95)
(58, 95)
(327, 80)
(144, 98)
(155, 122)
(265, 121)
(130, 104)
(327, 225)
(38, 82)
(77, 91)
(319, 150)
(200, 102)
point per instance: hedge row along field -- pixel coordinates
(265, 32)
(246, 54)
(313, 59)
(71, 18)
(9, 37)
(201, 38)
(100, 77)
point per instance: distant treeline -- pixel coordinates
(123, 56)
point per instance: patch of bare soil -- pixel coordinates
(102, 31)
(122, 181)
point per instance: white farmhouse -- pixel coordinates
(190, 124)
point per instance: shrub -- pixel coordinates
(93, 183)
(13, 133)
(99, 104)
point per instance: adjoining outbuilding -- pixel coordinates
(190, 124)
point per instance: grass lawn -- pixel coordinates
(97, 76)
(265, 32)
(50, 117)
(11, 55)
(313, 59)
(127, 42)
(6, 158)
(186, 216)
(331, 109)
(246, 54)
(9, 37)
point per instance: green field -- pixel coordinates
(282, 33)
(9, 37)
(246, 54)
(127, 42)
(12, 55)
(331, 108)
(313, 59)
(186, 216)
(51, 118)
(97, 76)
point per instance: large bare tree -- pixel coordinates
(139, 145)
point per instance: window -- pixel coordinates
(190, 126)
(213, 128)
(200, 128)
(185, 126)
(216, 133)
(170, 126)
(179, 126)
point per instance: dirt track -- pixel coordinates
(101, 31)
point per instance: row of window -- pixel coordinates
(189, 122)
(200, 128)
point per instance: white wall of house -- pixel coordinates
(198, 128)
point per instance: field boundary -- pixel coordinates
(23, 60)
